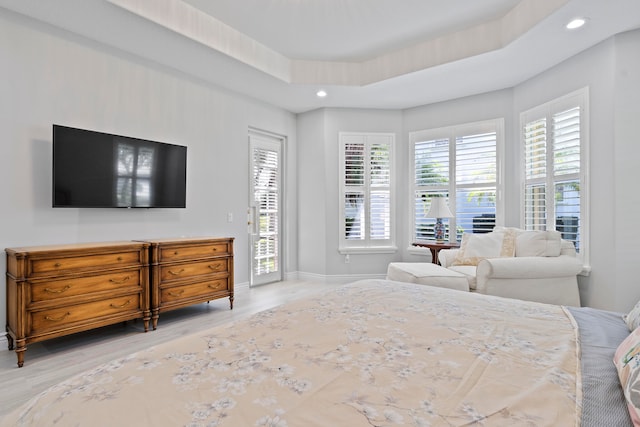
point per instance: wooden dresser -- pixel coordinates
(188, 271)
(59, 290)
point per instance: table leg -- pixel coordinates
(434, 255)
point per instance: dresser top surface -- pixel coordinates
(170, 240)
(77, 246)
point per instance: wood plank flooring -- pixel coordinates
(49, 362)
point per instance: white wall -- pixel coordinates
(49, 76)
(626, 155)
(313, 191)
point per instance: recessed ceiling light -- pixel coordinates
(576, 23)
(321, 93)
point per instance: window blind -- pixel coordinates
(552, 170)
(366, 197)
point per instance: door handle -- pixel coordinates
(252, 220)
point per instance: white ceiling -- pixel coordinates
(349, 30)
(364, 53)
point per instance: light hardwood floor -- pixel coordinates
(49, 362)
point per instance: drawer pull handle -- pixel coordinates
(59, 291)
(120, 306)
(57, 264)
(215, 249)
(119, 258)
(177, 294)
(119, 281)
(175, 253)
(176, 273)
(53, 319)
(215, 267)
(214, 286)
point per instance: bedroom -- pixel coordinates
(109, 90)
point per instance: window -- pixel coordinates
(366, 199)
(554, 154)
(462, 164)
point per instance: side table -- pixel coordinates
(435, 247)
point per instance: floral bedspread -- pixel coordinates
(372, 353)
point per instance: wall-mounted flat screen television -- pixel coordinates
(100, 170)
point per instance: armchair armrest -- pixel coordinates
(550, 280)
(529, 267)
(447, 256)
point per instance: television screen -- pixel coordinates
(100, 170)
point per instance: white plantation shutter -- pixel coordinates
(431, 177)
(566, 171)
(566, 142)
(265, 176)
(366, 199)
(554, 177)
(535, 168)
(380, 195)
(460, 163)
(354, 182)
(432, 163)
(476, 162)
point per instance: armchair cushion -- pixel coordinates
(469, 272)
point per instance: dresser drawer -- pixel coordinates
(209, 287)
(179, 253)
(192, 269)
(80, 286)
(61, 317)
(63, 265)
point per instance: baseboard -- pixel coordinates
(243, 285)
(336, 278)
(291, 275)
(322, 278)
(4, 343)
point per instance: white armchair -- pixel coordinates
(544, 269)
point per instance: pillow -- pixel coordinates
(476, 247)
(536, 242)
(567, 248)
(627, 361)
(632, 319)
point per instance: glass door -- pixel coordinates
(264, 208)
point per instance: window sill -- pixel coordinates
(415, 250)
(586, 270)
(368, 250)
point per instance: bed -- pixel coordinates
(370, 353)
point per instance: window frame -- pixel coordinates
(366, 245)
(452, 133)
(578, 98)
